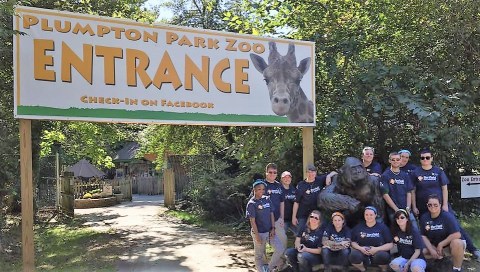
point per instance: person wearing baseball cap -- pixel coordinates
(306, 196)
(262, 222)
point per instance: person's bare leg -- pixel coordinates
(457, 248)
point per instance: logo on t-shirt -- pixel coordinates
(430, 178)
(275, 191)
(436, 227)
(264, 206)
(408, 240)
(369, 235)
(427, 226)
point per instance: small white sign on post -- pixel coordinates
(470, 186)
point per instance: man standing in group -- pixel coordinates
(431, 180)
(277, 197)
(396, 186)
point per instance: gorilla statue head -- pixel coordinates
(352, 171)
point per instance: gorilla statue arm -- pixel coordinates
(330, 200)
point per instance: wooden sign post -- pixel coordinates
(28, 251)
(307, 138)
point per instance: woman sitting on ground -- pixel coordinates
(336, 243)
(308, 245)
(371, 242)
(409, 243)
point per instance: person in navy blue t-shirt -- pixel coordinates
(336, 242)
(306, 196)
(289, 193)
(396, 187)
(371, 242)
(308, 245)
(432, 180)
(373, 167)
(409, 243)
(275, 192)
(405, 163)
(260, 214)
(440, 231)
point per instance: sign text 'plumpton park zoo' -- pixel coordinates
(72, 66)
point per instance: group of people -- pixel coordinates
(409, 192)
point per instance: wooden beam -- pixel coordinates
(28, 251)
(169, 188)
(307, 137)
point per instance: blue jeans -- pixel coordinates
(301, 224)
(301, 261)
(379, 258)
(289, 226)
(339, 257)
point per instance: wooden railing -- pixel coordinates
(80, 188)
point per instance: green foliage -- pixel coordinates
(219, 197)
(206, 14)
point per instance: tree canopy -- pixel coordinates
(390, 74)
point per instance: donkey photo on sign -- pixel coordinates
(283, 77)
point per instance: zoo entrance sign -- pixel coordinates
(72, 66)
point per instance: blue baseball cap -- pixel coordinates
(405, 151)
(258, 182)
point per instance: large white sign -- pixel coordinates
(470, 186)
(79, 67)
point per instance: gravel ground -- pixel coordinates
(159, 243)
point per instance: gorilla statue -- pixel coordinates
(351, 190)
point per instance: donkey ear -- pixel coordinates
(258, 62)
(304, 65)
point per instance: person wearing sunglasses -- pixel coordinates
(336, 243)
(260, 214)
(306, 196)
(409, 243)
(441, 233)
(396, 186)
(428, 179)
(373, 167)
(274, 190)
(371, 242)
(308, 245)
(432, 180)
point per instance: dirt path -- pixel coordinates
(157, 243)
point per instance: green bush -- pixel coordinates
(220, 197)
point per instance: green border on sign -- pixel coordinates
(146, 115)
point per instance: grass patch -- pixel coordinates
(471, 225)
(63, 248)
(72, 249)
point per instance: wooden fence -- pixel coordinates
(81, 187)
(125, 185)
(149, 185)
